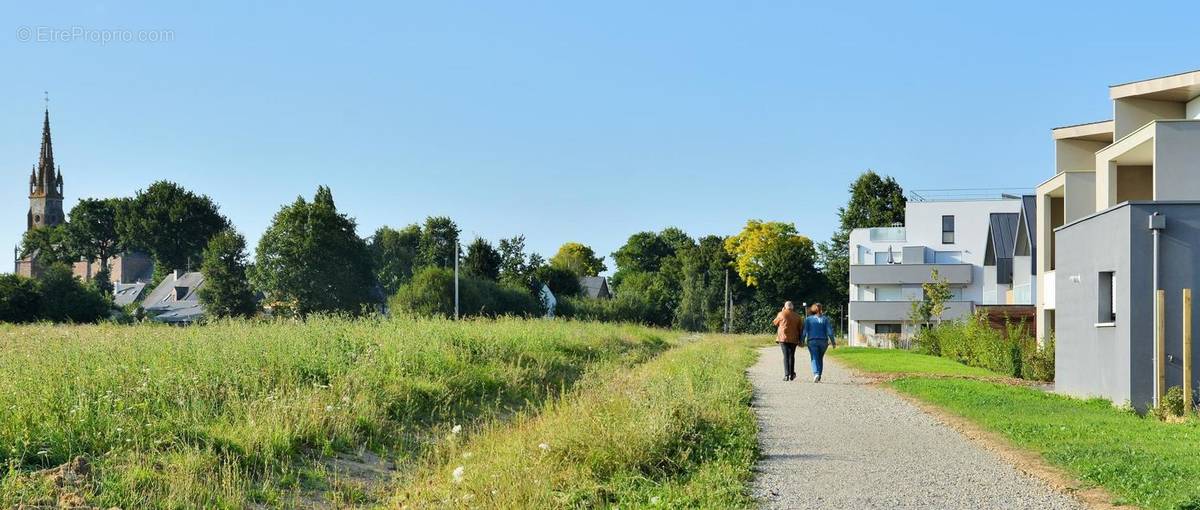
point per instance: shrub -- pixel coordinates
(1038, 364)
(973, 341)
(66, 299)
(1172, 405)
(431, 293)
(20, 300)
(629, 307)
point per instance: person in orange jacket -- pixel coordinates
(788, 324)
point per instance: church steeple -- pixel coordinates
(46, 184)
(47, 179)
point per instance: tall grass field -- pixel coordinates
(320, 413)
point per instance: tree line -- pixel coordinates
(312, 260)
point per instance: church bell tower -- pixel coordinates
(45, 186)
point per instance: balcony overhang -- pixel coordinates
(1180, 87)
(909, 274)
(1100, 131)
(901, 311)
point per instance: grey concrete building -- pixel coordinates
(1105, 319)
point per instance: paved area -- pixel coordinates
(844, 444)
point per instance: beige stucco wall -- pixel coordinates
(1177, 161)
(1132, 113)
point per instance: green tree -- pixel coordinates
(394, 254)
(66, 299)
(226, 291)
(579, 259)
(170, 223)
(20, 300)
(311, 259)
(92, 230)
(482, 260)
(438, 239)
(48, 246)
(875, 201)
(642, 253)
(702, 301)
(562, 282)
(779, 264)
(517, 269)
(935, 294)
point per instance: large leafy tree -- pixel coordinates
(482, 260)
(92, 230)
(875, 201)
(394, 254)
(226, 291)
(438, 240)
(579, 259)
(311, 259)
(516, 268)
(643, 252)
(778, 263)
(702, 299)
(171, 223)
(48, 246)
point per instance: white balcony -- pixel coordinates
(887, 234)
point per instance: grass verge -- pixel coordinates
(1141, 461)
(897, 361)
(240, 413)
(677, 432)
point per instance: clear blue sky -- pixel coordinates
(563, 122)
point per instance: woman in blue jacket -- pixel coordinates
(818, 334)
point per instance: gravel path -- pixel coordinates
(844, 444)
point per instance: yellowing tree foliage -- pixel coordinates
(752, 247)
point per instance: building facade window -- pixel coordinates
(947, 229)
(887, 329)
(1106, 290)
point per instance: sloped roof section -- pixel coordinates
(1002, 235)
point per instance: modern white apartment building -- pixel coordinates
(888, 265)
(1119, 220)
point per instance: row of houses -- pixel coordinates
(1087, 252)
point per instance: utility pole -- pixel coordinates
(456, 279)
(727, 301)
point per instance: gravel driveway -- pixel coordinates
(844, 444)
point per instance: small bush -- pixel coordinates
(431, 293)
(1172, 405)
(631, 308)
(974, 342)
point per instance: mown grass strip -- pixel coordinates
(896, 361)
(1140, 460)
(238, 413)
(676, 432)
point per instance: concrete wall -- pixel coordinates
(899, 274)
(1135, 182)
(1116, 362)
(1076, 155)
(1177, 161)
(1131, 113)
(1192, 109)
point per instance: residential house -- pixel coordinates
(998, 258)
(175, 300)
(888, 265)
(595, 287)
(1119, 220)
(1024, 286)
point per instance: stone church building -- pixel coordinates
(46, 210)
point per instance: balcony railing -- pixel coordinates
(1023, 294)
(886, 234)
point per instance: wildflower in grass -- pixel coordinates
(456, 430)
(468, 455)
(329, 409)
(654, 500)
(544, 447)
(457, 475)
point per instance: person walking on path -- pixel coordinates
(818, 332)
(788, 324)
